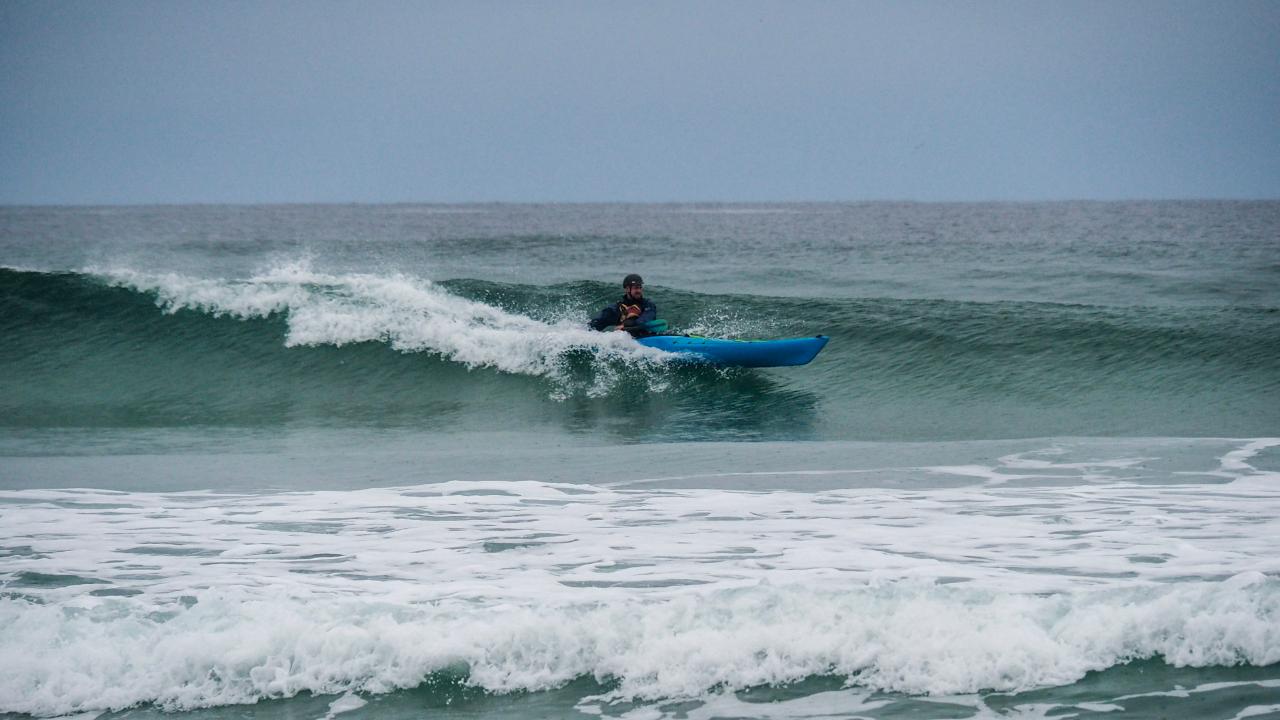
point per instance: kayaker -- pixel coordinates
(631, 313)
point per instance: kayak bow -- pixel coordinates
(739, 353)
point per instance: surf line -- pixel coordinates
(701, 476)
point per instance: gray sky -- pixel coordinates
(142, 102)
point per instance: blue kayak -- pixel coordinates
(739, 353)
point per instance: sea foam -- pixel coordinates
(228, 647)
(201, 599)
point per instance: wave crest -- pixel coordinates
(409, 314)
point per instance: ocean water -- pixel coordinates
(365, 461)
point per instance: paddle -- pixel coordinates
(655, 326)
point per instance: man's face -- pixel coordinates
(635, 292)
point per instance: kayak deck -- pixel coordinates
(740, 353)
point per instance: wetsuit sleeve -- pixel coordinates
(650, 312)
(606, 318)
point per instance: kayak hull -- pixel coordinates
(739, 353)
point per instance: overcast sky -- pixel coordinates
(174, 101)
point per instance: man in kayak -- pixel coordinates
(632, 313)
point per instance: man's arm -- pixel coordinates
(607, 317)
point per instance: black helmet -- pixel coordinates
(632, 279)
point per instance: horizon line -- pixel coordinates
(477, 203)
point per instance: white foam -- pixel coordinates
(346, 703)
(1255, 711)
(409, 314)
(911, 638)
(672, 593)
(1205, 688)
(1237, 461)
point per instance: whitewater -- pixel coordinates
(202, 599)
(406, 313)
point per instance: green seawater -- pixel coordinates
(1058, 365)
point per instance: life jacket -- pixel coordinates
(629, 310)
